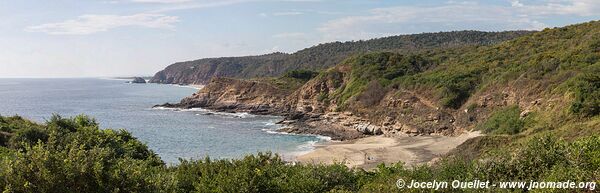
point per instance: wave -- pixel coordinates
(301, 149)
(305, 148)
(208, 112)
(276, 131)
(197, 87)
(270, 123)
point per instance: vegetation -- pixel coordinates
(504, 121)
(587, 95)
(301, 74)
(546, 60)
(379, 70)
(77, 156)
(291, 80)
(321, 56)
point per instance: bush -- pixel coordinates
(382, 68)
(372, 94)
(587, 95)
(504, 121)
(301, 74)
(28, 137)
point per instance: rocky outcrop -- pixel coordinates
(233, 95)
(138, 80)
(313, 108)
(316, 96)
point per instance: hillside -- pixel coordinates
(543, 81)
(321, 56)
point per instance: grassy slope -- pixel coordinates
(551, 58)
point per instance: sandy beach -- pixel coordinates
(370, 151)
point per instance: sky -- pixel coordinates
(105, 38)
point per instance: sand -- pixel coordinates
(370, 151)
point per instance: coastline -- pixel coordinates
(301, 149)
(370, 151)
(356, 142)
(194, 86)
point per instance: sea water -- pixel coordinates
(171, 133)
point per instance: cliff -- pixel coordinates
(321, 56)
(233, 95)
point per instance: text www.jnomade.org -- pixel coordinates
(478, 184)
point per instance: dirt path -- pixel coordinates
(371, 151)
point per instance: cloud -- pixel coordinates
(288, 13)
(198, 4)
(294, 35)
(514, 15)
(295, 12)
(201, 4)
(559, 7)
(516, 3)
(88, 24)
(411, 19)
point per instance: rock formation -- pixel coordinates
(138, 80)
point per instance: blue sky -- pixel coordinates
(84, 38)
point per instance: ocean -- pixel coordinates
(171, 133)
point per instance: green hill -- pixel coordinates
(320, 56)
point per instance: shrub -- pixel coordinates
(382, 68)
(372, 94)
(301, 74)
(587, 95)
(504, 121)
(28, 136)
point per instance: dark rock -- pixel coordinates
(138, 80)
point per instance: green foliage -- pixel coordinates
(386, 66)
(291, 80)
(324, 98)
(455, 85)
(382, 67)
(504, 121)
(587, 95)
(27, 137)
(304, 75)
(260, 173)
(74, 155)
(545, 59)
(10, 124)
